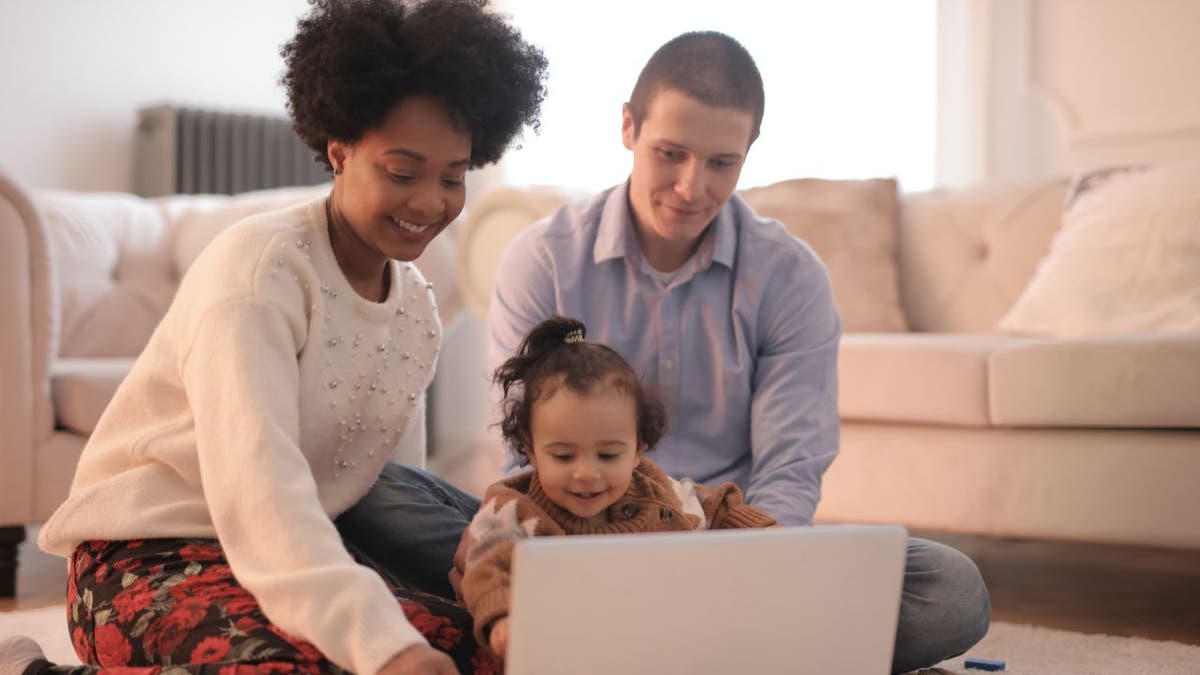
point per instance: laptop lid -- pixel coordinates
(819, 599)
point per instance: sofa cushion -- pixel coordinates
(851, 224)
(197, 219)
(110, 258)
(1116, 381)
(82, 388)
(490, 223)
(1127, 259)
(118, 258)
(930, 378)
(966, 254)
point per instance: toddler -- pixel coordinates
(578, 415)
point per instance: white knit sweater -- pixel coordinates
(264, 405)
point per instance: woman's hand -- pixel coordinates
(419, 659)
(498, 639)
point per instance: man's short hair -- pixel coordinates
(708, 66)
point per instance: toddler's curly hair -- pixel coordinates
(554, 355)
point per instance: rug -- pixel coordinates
(1026, 650)
(1033, 650)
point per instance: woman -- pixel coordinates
(199, 526)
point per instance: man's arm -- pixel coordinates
(524, 295)
(794, 425)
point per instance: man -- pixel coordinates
(724, 312)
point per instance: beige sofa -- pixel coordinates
(948, 426)
(84, 280)
(951, 425)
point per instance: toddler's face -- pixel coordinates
(585, 447)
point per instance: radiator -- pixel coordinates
(190, 151)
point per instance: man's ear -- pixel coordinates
(628, 128)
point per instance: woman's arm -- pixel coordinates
(242, 380)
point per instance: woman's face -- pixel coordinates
(401, 184)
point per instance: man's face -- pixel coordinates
(686, 161)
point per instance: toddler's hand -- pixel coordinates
(499, 637)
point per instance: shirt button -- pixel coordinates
(669, 364)
(629, 510)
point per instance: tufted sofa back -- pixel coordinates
(116, 259)
(965, 255)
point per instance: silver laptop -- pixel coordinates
(821, 599)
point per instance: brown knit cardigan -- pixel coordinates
(517, 507)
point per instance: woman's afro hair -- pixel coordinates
(352, 61)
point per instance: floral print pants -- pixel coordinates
(172, 606)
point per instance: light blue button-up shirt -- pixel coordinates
(741, 342)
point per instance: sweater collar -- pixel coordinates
(401, 273)
(633, 512)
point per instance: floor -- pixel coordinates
(1091, 588)
(1118, 590)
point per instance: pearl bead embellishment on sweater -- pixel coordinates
(355, 441)
(363, 373)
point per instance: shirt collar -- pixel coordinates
(615, 237)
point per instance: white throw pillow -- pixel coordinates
(1126, 259)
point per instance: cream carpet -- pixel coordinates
(1026, 650)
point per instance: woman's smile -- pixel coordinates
(409, 226)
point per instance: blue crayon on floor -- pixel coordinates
(984, 664)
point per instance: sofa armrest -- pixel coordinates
(490, 224)
(28, 334)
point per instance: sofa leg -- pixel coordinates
(10, 538)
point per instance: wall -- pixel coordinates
(1120, 79)
(1035, 88)
(1029, 87)
(75, 73)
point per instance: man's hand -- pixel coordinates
(499, 636)
(419, 659)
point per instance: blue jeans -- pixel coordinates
(944, 606)
(409, 524)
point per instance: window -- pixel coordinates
(850, 85)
